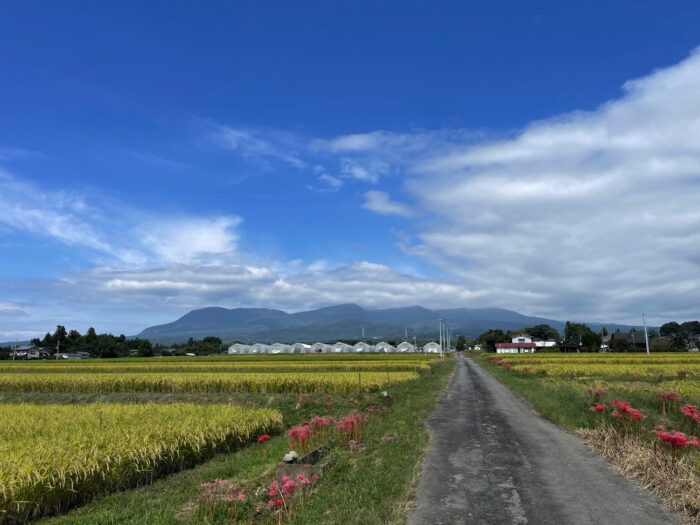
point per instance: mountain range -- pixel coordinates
(343, 321)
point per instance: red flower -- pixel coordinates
(263, 438)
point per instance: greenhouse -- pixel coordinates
(362, 347)
(431, 348)
(384, 347)
(406, 348)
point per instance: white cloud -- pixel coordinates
(12, 310)
(261, 144)
(317, 266)
(124, 235)
(187, 239)
(379, 202)
(56, 214)
(592, 213)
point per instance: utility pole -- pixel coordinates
(646, 335)
(14, 352)
(58, 347)
(440, 326)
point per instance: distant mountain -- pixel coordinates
(344, 321)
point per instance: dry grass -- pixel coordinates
(675, 482)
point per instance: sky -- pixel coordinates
(157, 157)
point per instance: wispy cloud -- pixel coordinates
(379, 202)
(125, 235)
(263, 145)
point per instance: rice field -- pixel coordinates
(302, 383)
(633, 365)
(52, 456)
(238, 365)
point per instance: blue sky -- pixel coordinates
(162, 156)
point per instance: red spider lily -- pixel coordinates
(263, 438)
(507, 366)
(314, 477)
(681, 374)
(598, 407)
(675, 438)
(671, 396)
(691, 412)
(628, 418)
(597, 393)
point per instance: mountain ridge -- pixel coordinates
(342, 321)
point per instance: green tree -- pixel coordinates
(604, 331)
(491, 337)
(671, 328)
(581, 333)
(461, 345)
(542, 331)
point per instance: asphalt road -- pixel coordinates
(493, 460)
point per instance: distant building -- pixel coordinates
(570, 347)
(516, 348)
(522, 338)
(634, 339)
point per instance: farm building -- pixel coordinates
(384, 347)
(279, 348)
(432, 348)
(363, 347)
(238, 349)
(321, 348)
(406, 348)
(301, 348)
(341, 348)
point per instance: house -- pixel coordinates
(570, 347)
(516, 348)
(634, 339)
(522, 338)
(549, 343)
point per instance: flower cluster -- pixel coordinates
(597, 393)
(349, 427)
(598, 407)
(691, 412)
(624, 409)
(670, 396)
(676, 439)
(263, 438)
(283, 495)
(507, 366)
(221, 492)
(681, 374)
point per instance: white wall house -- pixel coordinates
(522, 338)
(516, 348)
(549, 343)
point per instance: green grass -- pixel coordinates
(371, 486)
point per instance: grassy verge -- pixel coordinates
(374, 484)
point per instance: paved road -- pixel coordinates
(493, 460)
